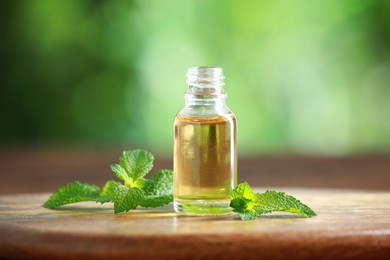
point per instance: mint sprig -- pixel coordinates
(135, 190)
(250, 205)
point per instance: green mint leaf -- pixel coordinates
(153, 201)
(108, 192)
(160, 183)
(242, 201)
(270, 201)
(140, 183)
(119, 172)
(249, 205)
(243, 197)
(126, 199)
(247, 214)
(158, 189)
(71, 193)
(137, 163)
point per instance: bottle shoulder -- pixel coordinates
(216, 117)
(180, 119)
(205, 112)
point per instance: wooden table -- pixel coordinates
(353, 220)
(350, 224)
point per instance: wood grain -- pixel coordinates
(350, 224)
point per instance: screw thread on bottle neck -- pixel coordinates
(205, 80)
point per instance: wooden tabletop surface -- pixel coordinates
(350, 195)
(349, 224)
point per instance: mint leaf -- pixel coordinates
(243, 200)
(270, 201)
(159, 189)
(137, 163)
(71, 193)
(108, 192)
(160, 183)
(126, 199)
(119, 172)
(153, 201)
(242, 196)
(249, 205)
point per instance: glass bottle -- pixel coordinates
(205, 146)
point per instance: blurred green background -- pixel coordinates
(303, 77)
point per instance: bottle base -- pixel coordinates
(202, 208)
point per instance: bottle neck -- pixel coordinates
(205, 87)
(216, 100)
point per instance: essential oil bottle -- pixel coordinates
(205, 146)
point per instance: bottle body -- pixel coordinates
(205, 156)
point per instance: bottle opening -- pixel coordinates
(205, 80)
